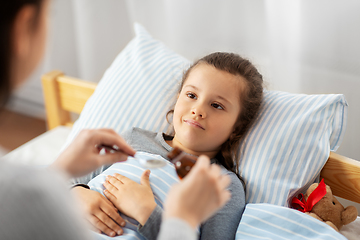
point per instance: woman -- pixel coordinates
(35, 204)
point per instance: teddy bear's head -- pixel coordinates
(329, 209)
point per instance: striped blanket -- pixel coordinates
(267, 221)
(161, 180)
(259, 221)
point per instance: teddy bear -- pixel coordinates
(319, 202)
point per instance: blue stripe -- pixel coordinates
(161, 181)
(266, 221)
(293, 132)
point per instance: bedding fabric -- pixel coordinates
(281, 154)
(267, 221)
(161, 180)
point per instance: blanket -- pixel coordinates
(161, 180)
(267, 221)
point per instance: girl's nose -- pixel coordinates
(198, 111)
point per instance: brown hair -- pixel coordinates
(8, 11)
(250, 100)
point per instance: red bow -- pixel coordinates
(302, 205)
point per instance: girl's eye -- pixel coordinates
(191, 95)
(217, 106)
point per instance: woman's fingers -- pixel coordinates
(224, 181)
(110, 158)
(110, 137)
(82, 155)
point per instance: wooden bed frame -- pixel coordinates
(65, 95)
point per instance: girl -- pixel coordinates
(219, 98)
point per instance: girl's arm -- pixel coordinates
(224, 223)
(136, 201)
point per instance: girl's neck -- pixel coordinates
(174, 143)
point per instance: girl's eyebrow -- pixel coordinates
(218, 96)
(192, 86)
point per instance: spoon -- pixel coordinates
(144, 162)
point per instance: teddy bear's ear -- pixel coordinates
(328, 189)
(310, 189)
(349, 215)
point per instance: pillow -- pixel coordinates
(137, 90)
(284, 151)
(289, 143)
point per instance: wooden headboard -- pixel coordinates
(65, 95)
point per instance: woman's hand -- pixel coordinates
(199, 195)
(82, 155)
(133, 199)
(99, 211)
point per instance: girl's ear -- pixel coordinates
(23, 28)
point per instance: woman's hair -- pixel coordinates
(250, 100)
(8, 11)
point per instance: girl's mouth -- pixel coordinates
(194, 124)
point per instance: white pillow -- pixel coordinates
(284, 150)
(137, 90)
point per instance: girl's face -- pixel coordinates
(206, 110)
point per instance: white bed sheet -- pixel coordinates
(44, 149)
(40, 151)
(352, 230)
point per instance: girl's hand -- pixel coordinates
(100, 212)
(199, 195)
(133, 199)
(82, 156)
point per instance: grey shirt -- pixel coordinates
(222, 225)
(36, 204)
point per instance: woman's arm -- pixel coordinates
(176, 229)
(224, 223)
(194, 200)
(83, 156)
(36, 204)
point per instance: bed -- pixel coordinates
(151, 72)
(65, 95)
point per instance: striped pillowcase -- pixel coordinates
(289, 144)
(284, 151)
